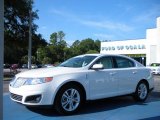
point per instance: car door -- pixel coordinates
(101, 82)
(126, 74)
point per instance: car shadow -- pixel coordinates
(151, 118)
(101, 105)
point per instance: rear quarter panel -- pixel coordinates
(144, 73)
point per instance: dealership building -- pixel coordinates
(146, 50)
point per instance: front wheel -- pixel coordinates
(68, 99)
(141, 93)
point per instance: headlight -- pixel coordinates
(34, 81)
(29, 81)
(12, 81)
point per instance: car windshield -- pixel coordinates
(155, 64)
(77, 62)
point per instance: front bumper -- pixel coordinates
(156, 72)
(41, 94)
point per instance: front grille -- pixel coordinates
(16, 97)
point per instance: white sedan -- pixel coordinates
(81, 78)
(155, 68)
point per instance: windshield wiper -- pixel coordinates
(63, 66)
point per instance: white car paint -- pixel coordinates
(97, 84)
(155, 68)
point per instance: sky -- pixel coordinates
(96, 19)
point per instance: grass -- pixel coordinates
(7, 77)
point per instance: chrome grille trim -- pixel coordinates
(16, 97)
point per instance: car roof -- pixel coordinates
(101, 55)
(98, 55)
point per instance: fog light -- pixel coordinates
(33, 99)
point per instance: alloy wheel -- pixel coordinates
(70, 99)
(142, 91)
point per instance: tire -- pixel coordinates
(141, 92)
(69, 99)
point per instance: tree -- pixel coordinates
(42, 52)
(24, 59)
(57, 38)
(92, 51)
(86, 45)
(16, 26)
(57, 50)
(76, 43)
(46, 60)
(75, 50)
(68, 53)
(57, 45)
(97, 45)
(60, 36)
(37, 42)
(53, 38)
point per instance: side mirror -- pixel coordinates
(97, 66)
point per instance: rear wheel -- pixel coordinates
(141, 93)
(68, 99)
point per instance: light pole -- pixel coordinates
(143, 60)
(37, 55)
(30, 37)
(1, 55)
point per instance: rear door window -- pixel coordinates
(123, 62)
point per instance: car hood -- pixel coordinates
(48, 72)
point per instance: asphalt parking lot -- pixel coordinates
(119, 108)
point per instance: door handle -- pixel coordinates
(112, 73)
(100, 80)
(134, 72)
